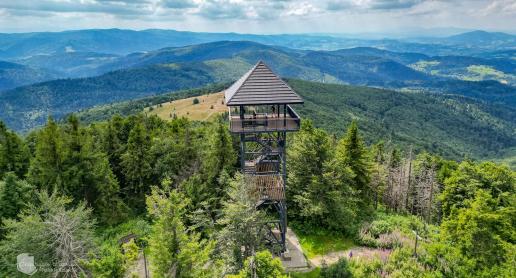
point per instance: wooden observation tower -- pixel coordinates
(259, 112)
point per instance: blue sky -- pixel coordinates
(259, 16)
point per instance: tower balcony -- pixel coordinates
(265, 122)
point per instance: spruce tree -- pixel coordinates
(14, 196)
(46, 168)
(220, 155)
(218, 161)
(351, 153)
(86, 174)
(14, 154)
(316, 192)
(136, 162)
(113, 145)
(174, 251)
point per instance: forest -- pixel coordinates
(89, 200)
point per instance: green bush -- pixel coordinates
(337, 270)
(109, 263)
(195, 101)
(130, 251)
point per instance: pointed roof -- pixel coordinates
(260, 86)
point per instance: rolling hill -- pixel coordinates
(172, 69)
(14, 75)
(453, 126)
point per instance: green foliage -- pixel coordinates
(338, 270)
(130, 251)
(453, 127)
(136, 163)
(321, 186)
(261, 265)
(15, 194)
(352, 154)
(483, 232)
(316, 273)
(242, 228)
(14, 154)
(462, 184)
(67, 161)
(108, 262)
(319, 242)
(195, 101)
(59, 238)
(46, 169)
(174, 251)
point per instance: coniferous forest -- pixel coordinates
(93, 200)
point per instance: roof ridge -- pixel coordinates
(261, 80)
(248, 73)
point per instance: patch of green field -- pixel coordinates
(316, 273)
(323, 242)
(482, 72)
(424, 65)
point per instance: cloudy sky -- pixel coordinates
(259, 16)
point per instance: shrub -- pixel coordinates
(380, 233)
(337, 270)
(130, 251)
(195, 101)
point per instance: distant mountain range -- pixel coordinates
(176, 68)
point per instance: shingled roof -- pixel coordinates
(260, 86)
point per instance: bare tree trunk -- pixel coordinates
(409, 180)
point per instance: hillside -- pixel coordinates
(174, 69)
(208, 107)
(28, 107)
(13, 75)
(455, 127)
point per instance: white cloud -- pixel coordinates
(263, 16)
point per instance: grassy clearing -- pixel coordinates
(208, 107)
(322, 242)
(316, 273)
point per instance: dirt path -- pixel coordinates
(357, 253)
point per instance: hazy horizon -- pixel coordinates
(346, 17)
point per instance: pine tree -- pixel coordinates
(113, 145)
(46, 168)
(136, 164)
(86, 174)
(14, 153)
(60, 238)
(217, 162)
(242, 232)
(351, 152)
(174, 251)
(220, 155)
(14, 196)
(318, 191)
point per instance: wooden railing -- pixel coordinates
(267, 187)
(265, 122)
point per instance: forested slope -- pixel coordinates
(449, 125)
(171, 190)
(453, 126)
